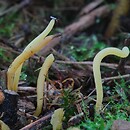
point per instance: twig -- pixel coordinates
(116, 77)
(27, 89)
(38, 123)
(109, 65)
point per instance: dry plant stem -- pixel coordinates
(35, 42)
(40, 83)
(97, 74)
(23, 57)
(116, 77)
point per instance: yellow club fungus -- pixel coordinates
(57, 119)
(34, 46)
(40, 82)
(97, 74)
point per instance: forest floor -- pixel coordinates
(85, 28)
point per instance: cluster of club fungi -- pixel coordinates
(36, 45)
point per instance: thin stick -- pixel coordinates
(116, 77)
(37, 123)
(110, 65)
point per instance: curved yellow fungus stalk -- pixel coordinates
(12, 83)
(16, 78)
(96, 70)
(57, 119)
(23, 57)
(40, 38)
(40, 82)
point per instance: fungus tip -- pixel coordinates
(126, 50)
(52, 17)
(51, 56)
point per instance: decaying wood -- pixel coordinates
(9, 108)
(85, 21)
(82, 23)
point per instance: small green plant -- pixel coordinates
(87, 49)
(68, 100)
(8, 27)
(97, 124)
(104, 122)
